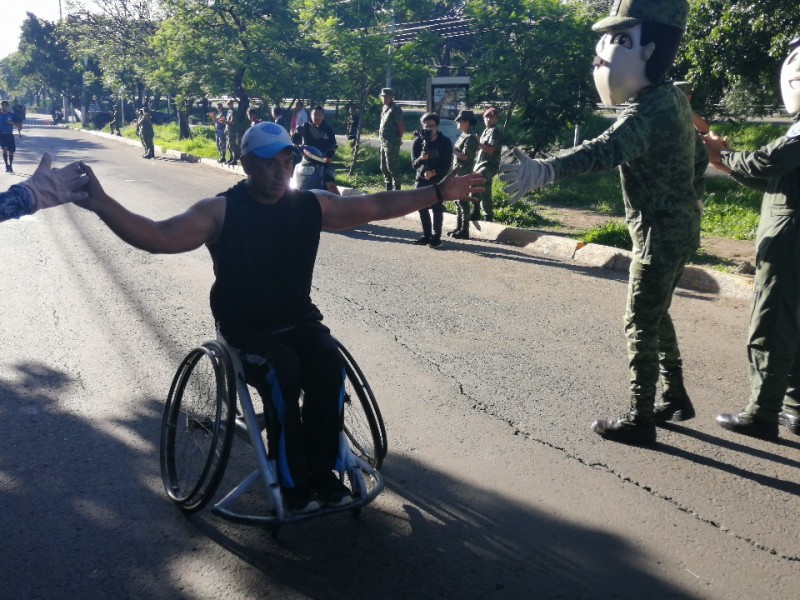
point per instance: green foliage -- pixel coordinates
(613, 233)
(748, 136)
(534, 55)
(732, 52)
(600, 192)
(730, 210)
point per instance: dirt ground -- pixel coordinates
(734, 255)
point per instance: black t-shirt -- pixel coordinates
(264, 263)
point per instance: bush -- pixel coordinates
(613, 233)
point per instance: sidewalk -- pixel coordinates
(533, 242)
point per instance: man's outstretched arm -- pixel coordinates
(350, 211)
(181, 233)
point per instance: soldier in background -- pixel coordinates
(232, 133)
(487, 161)
(653, 143)
(464, 151)
(774, 320)
(390, 134)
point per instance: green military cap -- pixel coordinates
(627, 13)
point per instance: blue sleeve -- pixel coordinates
(14, 203)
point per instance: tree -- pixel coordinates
(117, 35)
(534, 57)
(45, 57)
(732, 52)
(239, 48)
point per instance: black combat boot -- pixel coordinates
(459, 223)
(746, 424)
(674, 404)
(632, 428)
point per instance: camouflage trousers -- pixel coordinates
(390, 166)
(662, 243)
(773, 346)
(486, 202)
(232, 139)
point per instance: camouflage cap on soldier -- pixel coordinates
(627, 13)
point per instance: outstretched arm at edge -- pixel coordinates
(200, 224)
(344, 212)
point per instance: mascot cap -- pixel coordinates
(627, 13)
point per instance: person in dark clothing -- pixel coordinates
(263, 239)
(431, 155)
(279, 118)
(318, 134)
(144, 124)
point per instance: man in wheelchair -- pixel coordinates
(263, 239)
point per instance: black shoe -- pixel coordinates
(791, 423)
(674, 407)
(461, 235)
(452, 232)
(423, 241)
(330, 490)
(221, 160)
(630, 429)
(8, 169)
(299, 500)
(746, 425)
(435, 242)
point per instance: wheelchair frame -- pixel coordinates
(362, 445)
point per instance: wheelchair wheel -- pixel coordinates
(363, 423)
(197, 428)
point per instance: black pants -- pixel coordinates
(305, 358)
(431, 229)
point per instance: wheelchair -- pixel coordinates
(209, 404)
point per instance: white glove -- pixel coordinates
(525, 175)
(52, 187)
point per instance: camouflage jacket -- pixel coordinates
(774, 170)
(389, 134)
(467, 143)
(15, 203)
(655, 146)
(490, 163)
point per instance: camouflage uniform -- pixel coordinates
(773, 346)
(467, 143)
(488, 165)
(655, 146)
(232, 135)
(390, 139)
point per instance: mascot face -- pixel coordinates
(619, 67)
(790, 80)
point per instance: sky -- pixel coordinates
(14, 14)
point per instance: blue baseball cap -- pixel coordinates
(265, 140)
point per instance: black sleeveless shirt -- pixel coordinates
(264, 263)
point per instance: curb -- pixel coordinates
(562, 248)
(699, 279)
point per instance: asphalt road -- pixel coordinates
(489, 365)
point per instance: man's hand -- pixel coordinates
(51, 187)
(714, 146)
(454, 187)
(95, 192)
(525, 175)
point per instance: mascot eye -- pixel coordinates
(622, 39)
